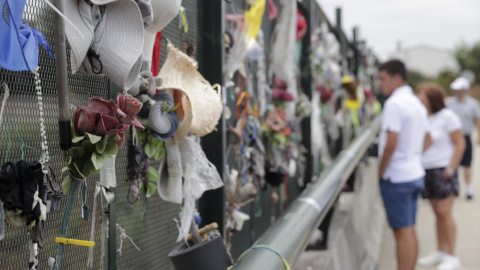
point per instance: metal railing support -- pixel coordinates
(289, 235)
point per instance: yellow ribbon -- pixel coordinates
(183, 19)
(254, 16)
(68, 241)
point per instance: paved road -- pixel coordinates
(467, 216)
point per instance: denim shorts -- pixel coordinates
(400, 201)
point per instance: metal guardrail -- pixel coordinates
(289, 235)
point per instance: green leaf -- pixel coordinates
(76, 152)
(98, 161)
(149, 149)
(89, 167)
(78, 171)
(116, 137)
(153, 174)
(111, 148)
(94, 138)
(141, 135)
(77, 139)
(66, 183)
(159, 152)
(65, 169)
(102, 145)
(87, 147)
(151, 188)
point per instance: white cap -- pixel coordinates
(460, 83)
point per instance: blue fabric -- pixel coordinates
(400, 201)
(18, 41)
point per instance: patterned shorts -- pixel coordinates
(437, 186)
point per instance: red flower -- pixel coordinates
(279, 83)
(107, 107)
(106, 124)
(280, 94)
(85, 121)
(128, 108)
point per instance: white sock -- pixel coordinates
(468, 188)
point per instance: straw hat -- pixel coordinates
(164, 11)
(109, 43)
(200, 105)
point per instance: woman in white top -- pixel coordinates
(440, 161)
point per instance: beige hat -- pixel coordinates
(110, 43)
(163, 12)
(200, 105)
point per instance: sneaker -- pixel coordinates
(432, 259)
(469, 197)
(449, 262)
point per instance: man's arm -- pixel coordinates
(427, 142)
(390, 146)
(477, 121)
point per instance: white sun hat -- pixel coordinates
(112, 41)
(200, 104)
(460, 83)
(164, 11)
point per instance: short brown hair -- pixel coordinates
(435, 95)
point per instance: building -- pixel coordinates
(426, 59)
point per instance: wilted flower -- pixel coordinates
(106, 124)
(279, 94)
(100, 105)
(128, 108)
(326, 94)
(84, 120)
(279, 83)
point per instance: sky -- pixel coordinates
(438, 23)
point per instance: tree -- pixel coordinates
(468, 57)
(415, 78)
(445, 78)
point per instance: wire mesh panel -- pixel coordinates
(154, 234)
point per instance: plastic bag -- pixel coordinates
(200, 175)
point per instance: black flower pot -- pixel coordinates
(208, 255)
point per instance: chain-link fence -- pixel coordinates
(154, 234)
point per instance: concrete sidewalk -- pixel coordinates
(467, 218)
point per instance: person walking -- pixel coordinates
(468, 110)
(403, 136)
(441, 161)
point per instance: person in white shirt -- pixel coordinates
(403, 136)
(468, 110)
(441, 161)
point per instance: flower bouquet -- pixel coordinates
(98, 132)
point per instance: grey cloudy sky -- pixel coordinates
(439, 23)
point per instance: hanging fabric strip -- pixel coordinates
(66, 215)
(92, 228)
(4, 102)
(254, 16)
(33, 251)
(156, 55)
(84, 200)
(183, 21)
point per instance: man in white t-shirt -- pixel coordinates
(403, 136)
(468, 110)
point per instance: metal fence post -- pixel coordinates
(62, 79)
(211, 56)
(306, 84)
